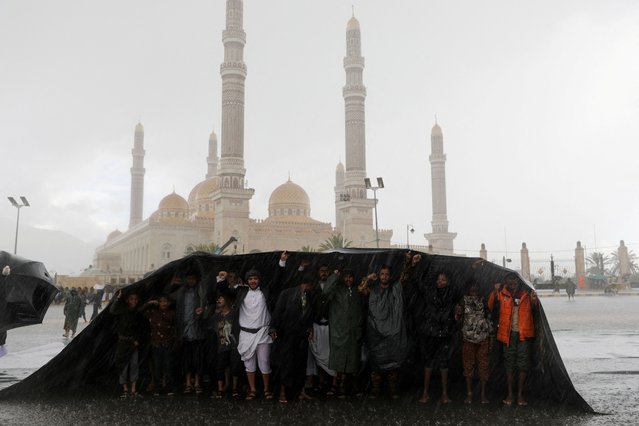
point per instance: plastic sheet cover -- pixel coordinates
(86, 365)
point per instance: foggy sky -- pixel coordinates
(538, 103)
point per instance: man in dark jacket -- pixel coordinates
(291, 328)
(190, 304)
(436, 329)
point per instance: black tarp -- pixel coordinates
(26, 291)
(86, 364)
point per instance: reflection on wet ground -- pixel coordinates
(597, 337)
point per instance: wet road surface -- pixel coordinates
(598, 338)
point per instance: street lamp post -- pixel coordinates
(380, 185)
(409, 228)
(18, 206)
(505, 260)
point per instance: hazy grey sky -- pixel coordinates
(538, 102)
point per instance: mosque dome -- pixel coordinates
(114, 234)
(139, 128)
(172, 209)
(353, 24)
(173, 202)
(289, 199)
(436, 131)
(200, 200)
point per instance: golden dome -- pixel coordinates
(436, 131)
(173, 202)
(206, 188)
(289, 199)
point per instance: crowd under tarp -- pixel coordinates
(86, 364)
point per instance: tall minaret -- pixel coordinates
(440, 238)
(353, 208)
(137, 177)
(233, 72)
(354, 94)
(211, 160)
(232, 198)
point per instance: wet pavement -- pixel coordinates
(598, 338)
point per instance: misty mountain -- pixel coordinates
(60, 252)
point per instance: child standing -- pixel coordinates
(162, 321)
(129, 328)
(476, 340)
(228, 364)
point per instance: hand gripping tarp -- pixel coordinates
(86, 364)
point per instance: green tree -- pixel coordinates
(615, 263)
(335, 241)
(308, 249)
(598, 263)
(207, 248)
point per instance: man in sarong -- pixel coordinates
(319, 346)
(254, 318)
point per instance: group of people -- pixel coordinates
(75, 302)
(318, 331)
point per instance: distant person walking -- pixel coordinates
(72, 311)
(571, 287)
(96, 300)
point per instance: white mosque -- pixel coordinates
(217, 209)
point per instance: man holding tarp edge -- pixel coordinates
(516, 330)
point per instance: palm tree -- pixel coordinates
(206, 248)
(598, 263)
(614, 260)
(308, 249)
(335, 241)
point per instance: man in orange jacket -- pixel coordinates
(516, 330)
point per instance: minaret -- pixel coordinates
(340, 193)
(137, 177)
(440, 238)
(233, 72)
(353, 208)
(232, 198)
(354, 94)
(212, 158)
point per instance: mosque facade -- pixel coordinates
(217, 210)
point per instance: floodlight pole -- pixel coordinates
(409, 228)
(380, 185)
(18, 206)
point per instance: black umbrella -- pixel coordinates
(26, 291)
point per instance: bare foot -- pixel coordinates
(508, 401)
(522, 402)
(469, 398)
(424, 399)
(484, 400)
(446, 400)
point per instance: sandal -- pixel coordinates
(124, 395)
(251, 395)
(268, 395)
(283, 400)
(332, 391)
(235, 394)
(198, 390)
(188, 389)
